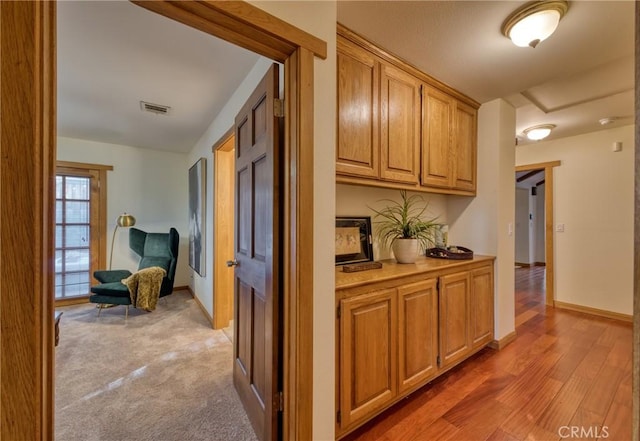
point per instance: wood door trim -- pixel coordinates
(548, 224)
(27, 45)
(242, 24)
(223, 139)
(27, 170)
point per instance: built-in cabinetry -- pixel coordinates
(399, 327)
(398, 127)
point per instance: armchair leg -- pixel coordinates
(100, 306)
(126, 313)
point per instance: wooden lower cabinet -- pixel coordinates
(418, 337)
(369, 334)
(397, 336)
(455, 318)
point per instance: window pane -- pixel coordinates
(59, 187)
(59, 255)
(76, 236)
(58, 236)
(77, 188)
(77, 212)
(76, 278)
(59, 205)
(76, 260)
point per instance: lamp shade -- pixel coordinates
(534, 22)
(126, 220)
(537, 133)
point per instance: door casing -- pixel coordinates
(28, 152)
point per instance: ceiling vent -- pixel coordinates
(154, 108)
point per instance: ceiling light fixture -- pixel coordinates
(607, 120)
(536, 133)
(534, 22)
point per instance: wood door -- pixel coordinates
(368, 330)
(223, 232)
(465, 135)
(481, 306)
(418, 337)
(357, 149)
(257, 302)
(399, 125)
(437, 123)
(455, 318)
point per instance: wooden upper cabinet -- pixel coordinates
(391, 133)
(357, 149)
(465, 147)
(399, 125)
(418, 336)
(438, 113)
(368, 360)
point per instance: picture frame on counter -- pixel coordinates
(354, 243)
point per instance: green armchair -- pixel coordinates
(154, 249)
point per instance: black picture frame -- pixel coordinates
(353, 240)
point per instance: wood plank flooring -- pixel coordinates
(566, 376)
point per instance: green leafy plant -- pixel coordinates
(403, 220)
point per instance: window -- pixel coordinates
(80, 228)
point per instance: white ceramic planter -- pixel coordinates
(405, 250)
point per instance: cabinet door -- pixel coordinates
(437, 122)
(418, 337)
(464, 148)
(368, 358)
(357, 149)
(455, 319)
(399, 125)
(482, 306)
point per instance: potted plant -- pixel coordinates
(401, 226)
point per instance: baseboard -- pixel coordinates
(539, 264)
(594, 311)
(199, 303)
(183, 288)
(503, 342)
(523, 265)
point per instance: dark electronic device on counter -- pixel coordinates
(451, 252)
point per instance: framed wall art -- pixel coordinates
(353, 240)
(197, 211)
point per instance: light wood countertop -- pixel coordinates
(392, 270)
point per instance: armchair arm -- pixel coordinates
(109, 276)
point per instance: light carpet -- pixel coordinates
(163, 376)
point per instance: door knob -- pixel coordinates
(231, 263)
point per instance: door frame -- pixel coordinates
(548, 224)
(27, 170)
(220, 299)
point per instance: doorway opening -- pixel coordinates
(534, 213)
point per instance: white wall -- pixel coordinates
(354, 200)
(522, 225)
(482, 223)
(149, 184)
(593, 198)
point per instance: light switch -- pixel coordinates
(510, 229)
(560, 228)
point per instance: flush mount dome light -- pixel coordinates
(534, 22)
(536, 133)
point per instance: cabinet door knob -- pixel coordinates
(231, 263)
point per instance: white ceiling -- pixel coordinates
(112, 55)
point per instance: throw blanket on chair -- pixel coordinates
(144, 287)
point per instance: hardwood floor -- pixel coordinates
(566, 376)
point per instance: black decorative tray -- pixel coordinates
(452, 252)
